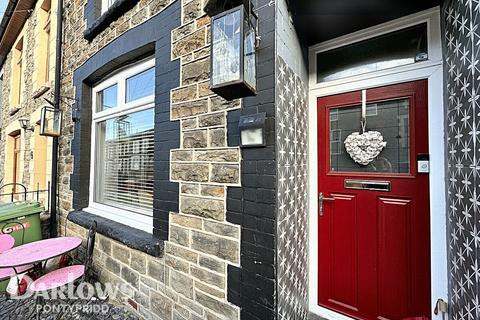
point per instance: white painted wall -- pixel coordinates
(288, 44)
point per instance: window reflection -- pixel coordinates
(141, 85)
(107, 98)
(125, 160)
(390, 118)
(250, 68)
(394, 49)
(226, 48)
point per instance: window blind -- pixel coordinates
(125, 160)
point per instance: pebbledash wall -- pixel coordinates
(461, 24)
(212, 253)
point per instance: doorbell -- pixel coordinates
(423, 163)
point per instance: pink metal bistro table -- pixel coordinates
(36, 252)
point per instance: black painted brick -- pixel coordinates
(253, 206)
(150, 37)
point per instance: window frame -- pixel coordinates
(16, 94)
(16, 160)
(20, 76)
(105, 5)
(47, 31)
(44, 29)
(2, 96)
(140, 218)
(430, 16)
(366, 66)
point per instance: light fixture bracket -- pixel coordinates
(25, 124)
(214, 7)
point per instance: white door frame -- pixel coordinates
(431, 70)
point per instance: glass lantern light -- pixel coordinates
(233, 56)
(50, 122)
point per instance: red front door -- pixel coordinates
(373, 226)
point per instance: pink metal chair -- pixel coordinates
(7, 273)
(6, 243)
(66, 275)
(58, 278)
(7, 230)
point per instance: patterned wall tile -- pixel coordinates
(292, 249)
(462, 44)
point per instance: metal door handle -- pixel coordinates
(321, 198)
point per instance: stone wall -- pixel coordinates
(190, 280)
(204, 166)
(158, 288)
(32, 96)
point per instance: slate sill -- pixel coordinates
(131, 237)
(116, 10)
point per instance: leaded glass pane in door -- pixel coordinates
(390, 118)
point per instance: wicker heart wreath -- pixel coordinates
(364, 147)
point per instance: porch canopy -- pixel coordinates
(317, 21)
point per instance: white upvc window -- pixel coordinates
(121, 176)
(106, 4)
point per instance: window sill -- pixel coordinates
(116, 10)
(131, 237)
(13, 110)
(41, 90)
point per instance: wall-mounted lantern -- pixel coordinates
(252, 130)
(50, 122)
(233, 56)
(25, 124)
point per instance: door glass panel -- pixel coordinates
(398, 48)
(390, 118)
